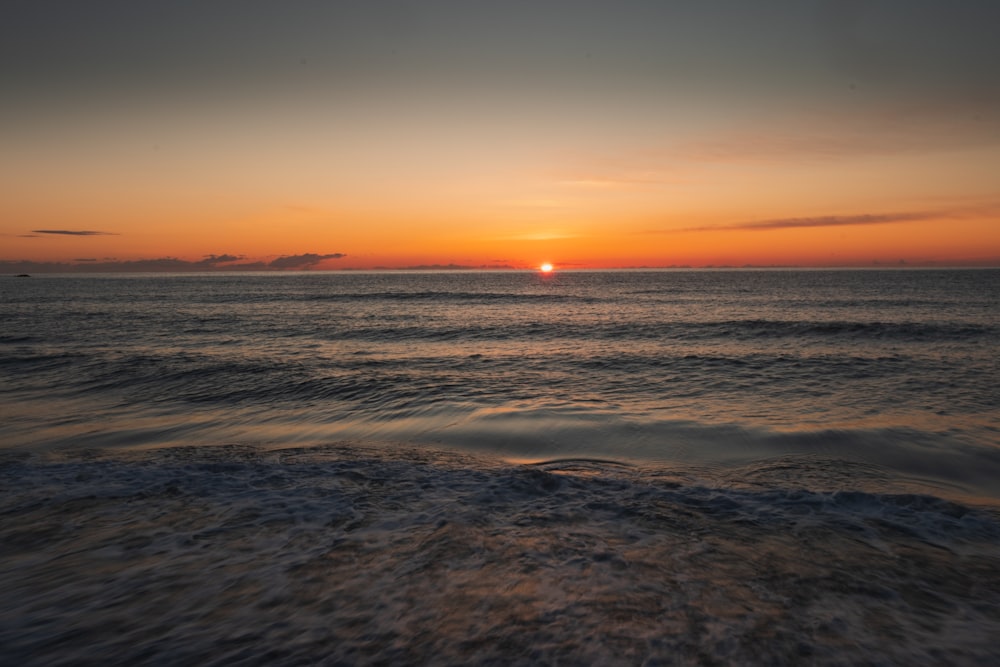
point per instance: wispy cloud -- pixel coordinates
(613, 182)
(224, 262)
(821, 221)
(302, 261)
(72, 232)
(212, 260)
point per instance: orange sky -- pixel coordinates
(591, 144)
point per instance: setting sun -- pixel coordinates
(545, 268)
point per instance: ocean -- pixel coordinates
(620, 467)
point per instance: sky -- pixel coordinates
(305, 134)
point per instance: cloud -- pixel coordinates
(645, 170)
(212, 260)
(450, 267)
(224, 262)
(821, 221)
(302, 261)
(72, 232)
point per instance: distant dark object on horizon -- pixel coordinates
(22, 275)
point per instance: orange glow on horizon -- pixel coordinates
(497, 224)
(444, 151)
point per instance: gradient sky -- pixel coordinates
(590, 134)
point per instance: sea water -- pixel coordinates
(583, 467)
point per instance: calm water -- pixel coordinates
(898, 368)
(743, 466)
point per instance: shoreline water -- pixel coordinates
(912, 460)
(363, 554)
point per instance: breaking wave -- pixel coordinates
(350, 554)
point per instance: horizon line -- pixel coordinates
(969, 265)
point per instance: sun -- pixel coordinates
(546, 268)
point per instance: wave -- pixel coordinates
(502, 377)
(37, 360)
(450, 296)
(17, 339)
(678, 331)
(936, 331)
(375, 554)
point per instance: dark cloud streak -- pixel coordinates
(821, 221)
(72, 232)
(302, 261)
(212, 260)
(211, 263)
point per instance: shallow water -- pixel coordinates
(691, 467)
(354, 555)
